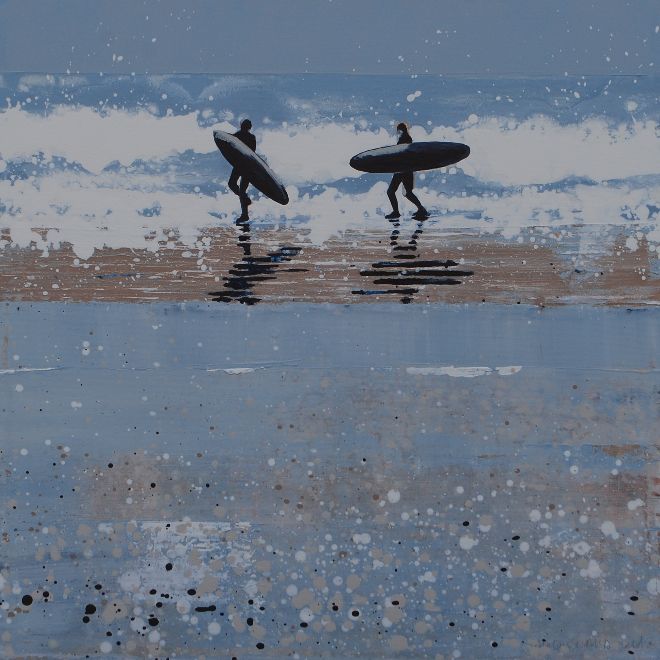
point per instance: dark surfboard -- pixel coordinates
(410, 157)
(251, 166)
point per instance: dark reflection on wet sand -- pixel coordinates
(405, 273)
(250, 270)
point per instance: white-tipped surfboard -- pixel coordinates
(410, 157)
(251, 166)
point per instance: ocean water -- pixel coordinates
(443, 481)
(424, 480)
(126, 161)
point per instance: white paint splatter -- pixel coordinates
(160, 542)
(306, 614)
(582, 548)
(454, 372)
(593, 570)
(634, 504)
(653, 586)
(362, 539)
(5, 372)
(393, 496)
(130, 581)
(236, 371)
(508, 371)
(609, 529)
(427, 577)
(467, 542)
(462, 372)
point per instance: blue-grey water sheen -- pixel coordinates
(331, 460)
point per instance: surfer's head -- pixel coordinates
(402, 127)
(246, 125)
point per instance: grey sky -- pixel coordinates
(484, 37)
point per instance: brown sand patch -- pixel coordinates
(405, 262)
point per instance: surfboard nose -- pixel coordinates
(216, 138)
(463, 151)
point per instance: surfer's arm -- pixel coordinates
(253, 143)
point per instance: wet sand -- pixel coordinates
(406, 261)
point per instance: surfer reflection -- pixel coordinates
(240, 189)
(406, 272)
(408, 181)
(252, 270)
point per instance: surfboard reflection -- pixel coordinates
(405, 272)
(251, 270)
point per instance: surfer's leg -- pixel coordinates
(391, 193)
(408, 185)
(245, 201)
(240, 191)
(233, 182)
(243, 188)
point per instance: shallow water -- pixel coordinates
(419, 480)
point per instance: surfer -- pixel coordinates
(408, 181)
(250, 141)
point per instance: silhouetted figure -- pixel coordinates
(408, 181)
(250, 141)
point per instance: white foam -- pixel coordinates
(535, 151)
(238, 371)
(91, 212)
(96, 139)
(454, 372)
(462, 372)
(540, 150)
(508, 371)
(21, 370)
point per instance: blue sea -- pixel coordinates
(325, 480)
(116, 161)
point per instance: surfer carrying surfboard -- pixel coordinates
(408, 181)
(239, 151)
(240, 189)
